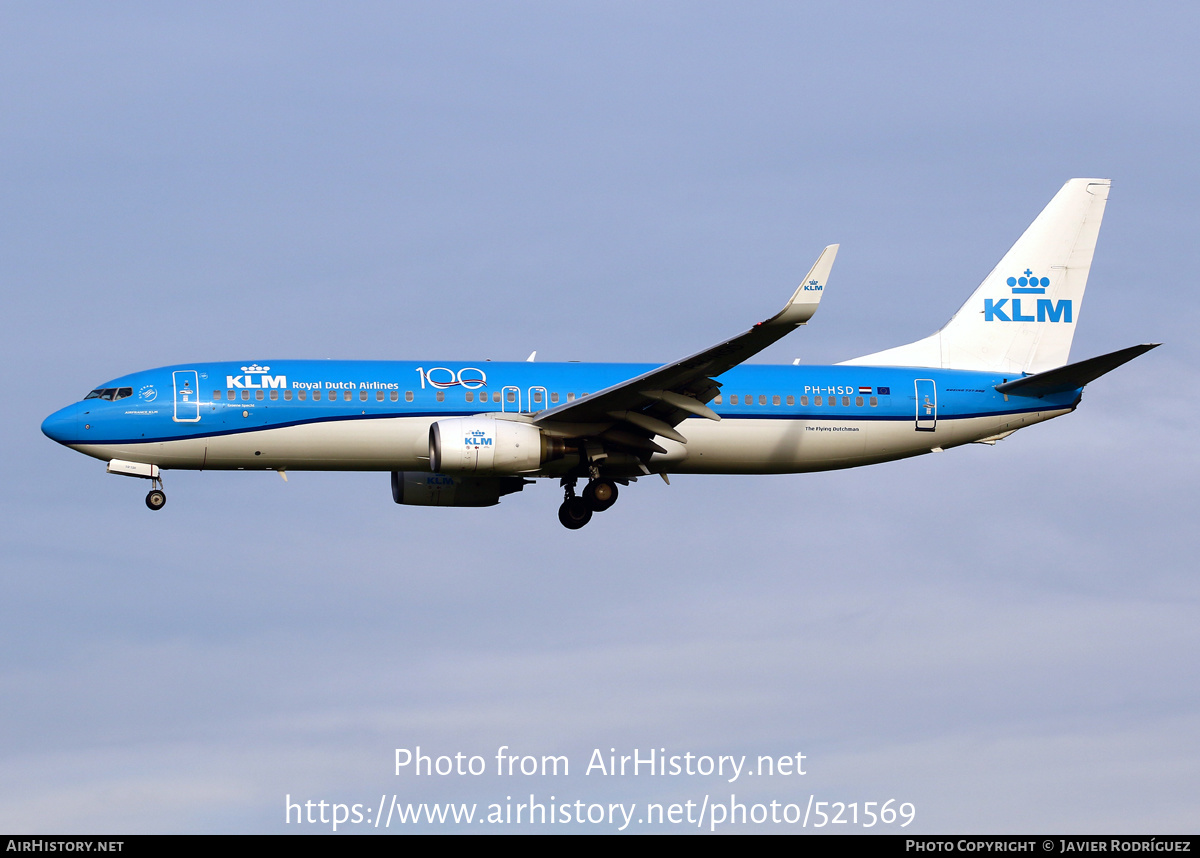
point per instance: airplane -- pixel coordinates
(460, 434)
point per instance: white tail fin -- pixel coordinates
(1022, 317)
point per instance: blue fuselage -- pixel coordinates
(374, 415)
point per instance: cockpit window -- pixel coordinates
(110, 394)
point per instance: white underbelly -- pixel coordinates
(730, 446)
(398, 443)
(734, 446)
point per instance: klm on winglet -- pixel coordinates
(466, 433)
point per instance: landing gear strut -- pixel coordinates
(598, 495)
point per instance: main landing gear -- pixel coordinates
(576, 511)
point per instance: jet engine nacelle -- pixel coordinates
(482, 445)
(418, 489)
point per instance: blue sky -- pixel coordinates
(1003, 636)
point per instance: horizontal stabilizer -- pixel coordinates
(1074, 375)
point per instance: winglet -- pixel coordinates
(808, 295)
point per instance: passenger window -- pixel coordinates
(245, 395)
(816, 400)
(496, 396)
(858, 401)
(874, 401)
(832, 401)
(554, 397)
(791, 400)
(258, 394)
(717, 399)
(408, 396)
(511, 396)
(470, 396)
(570, 397)
(441, 396)
(316, 396)
(537, 396)
(379, 396)
(274, 394)
(346, 396)
(762, 400)
(804, 400)
(846, 400)
(774, 400)
(216, 395)
(362, 395)
(231, 395)
(395, 396)
(287, 394)
(302, 395)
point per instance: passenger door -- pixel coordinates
(926, 405)
(187, 396)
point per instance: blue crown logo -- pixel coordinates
(1029, 285)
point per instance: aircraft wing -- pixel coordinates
(654, 403)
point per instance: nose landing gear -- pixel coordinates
(598, 495)
(157, 498)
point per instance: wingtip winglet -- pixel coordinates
(808, 294)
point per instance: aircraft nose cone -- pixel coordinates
(63, 425)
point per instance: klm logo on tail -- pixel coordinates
(1028, 285)
(1046, 309)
